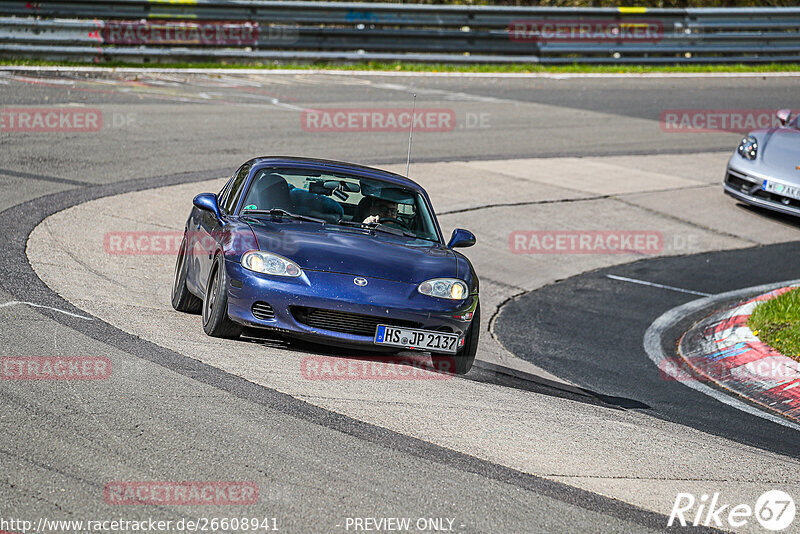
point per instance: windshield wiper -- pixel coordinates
(275, 212)
(381, 228)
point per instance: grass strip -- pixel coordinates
(525, 68)
(777, 323)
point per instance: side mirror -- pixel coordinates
(461, 238)
(784, 115)
(208, 202)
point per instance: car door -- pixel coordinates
(194, 242)
(209, 229)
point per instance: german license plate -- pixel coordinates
(411, 338)
(781, 189)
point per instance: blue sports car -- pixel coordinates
(333, 252)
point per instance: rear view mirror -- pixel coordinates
(340, 188)
(349, 187)
(784, 115)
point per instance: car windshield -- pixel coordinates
(341, 199)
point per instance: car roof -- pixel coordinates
(334, 166)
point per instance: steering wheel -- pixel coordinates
(393, 220)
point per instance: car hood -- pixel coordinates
(780, 153)
(351, 251)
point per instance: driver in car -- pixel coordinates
(380, 208)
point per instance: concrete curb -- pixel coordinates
(722, 349)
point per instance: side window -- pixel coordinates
(222, 196)
(236, 189)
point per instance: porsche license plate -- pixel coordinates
(780, 189)
(411, 338)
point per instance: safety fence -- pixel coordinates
(252, 31)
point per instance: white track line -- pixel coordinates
(15, 302)
(660, 286)
(652, 345)
(266, 72)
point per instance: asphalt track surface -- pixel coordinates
(359, 459)
(573, 329)
(317, 467)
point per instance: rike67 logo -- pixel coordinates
(774, 510)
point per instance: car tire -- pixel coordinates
(182, 298)
(216, 322)
(461, 362)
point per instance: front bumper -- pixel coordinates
(747, 187)
(340, 304)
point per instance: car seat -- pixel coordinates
(315, 205)
(362, 210)
(271, 191)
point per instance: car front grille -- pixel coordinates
(746, 185)
(263, 311)
(739, 181)
(346, 323)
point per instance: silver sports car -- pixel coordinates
(765, 169)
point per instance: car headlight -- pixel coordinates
(748, 147)
(444, 288)
(269, 263)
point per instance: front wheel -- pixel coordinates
(461, 362)
(182, 299)
(216, 322)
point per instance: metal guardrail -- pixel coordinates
(258, 30)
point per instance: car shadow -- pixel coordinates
(323, 352)
(500, 375)
(325, 362)
(782, 218)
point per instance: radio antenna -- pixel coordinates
(411, 134)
